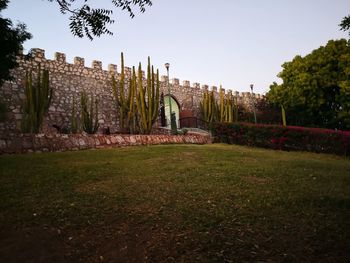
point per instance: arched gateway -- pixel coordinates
(175, 107)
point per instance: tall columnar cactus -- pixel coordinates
(89, 113)
(162, 110)
(209, 107)
(284, 121)
(139, 105)
(224, 111)
(235, 106)
(74, 118)
(125, 100)
(37, 101)
(132, 110)
(222, 105)
(147, 98)
(227, 107)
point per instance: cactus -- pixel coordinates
(89, 116)
(284, 121)
(132, 113)
(138, 111)
(235, 110)
(162, 110)
(125, 104)
(74, 118)
(230, 108)
(224, 111)
(173, 124)
(37, 101)
(118, 91)
(147, 107)
(222, 102)
(209, 107)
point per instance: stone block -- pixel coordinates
(79, 62)
(175, 81)
(127, 71)
(96, 64)
(205, 87)
(112, 68)
(186, 83)
(60, 57)
(37, 53)
(196, 85)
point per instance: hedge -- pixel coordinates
(289, 138)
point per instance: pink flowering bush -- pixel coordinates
(290, 138)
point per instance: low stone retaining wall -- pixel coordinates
(22, 143)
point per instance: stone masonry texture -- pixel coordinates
(69, 80)
(24, 143)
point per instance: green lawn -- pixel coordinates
(175, 203)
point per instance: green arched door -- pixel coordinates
(174, 107)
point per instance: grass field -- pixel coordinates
(175, 203)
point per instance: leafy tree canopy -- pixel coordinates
(92, 22)
(345, 24)
(11, 40)
(316, 88)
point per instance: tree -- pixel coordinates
(316, 88)
(92, 22)
(11, 40)
(345, 24)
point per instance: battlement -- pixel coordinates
(68, 80)
(38, 55)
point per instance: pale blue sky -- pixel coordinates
(229, 42)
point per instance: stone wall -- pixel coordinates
(22, 143)
(69, 80)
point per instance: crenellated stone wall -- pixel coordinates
(69, 80)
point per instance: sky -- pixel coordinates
(233, 43)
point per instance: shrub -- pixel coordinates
(283, 138)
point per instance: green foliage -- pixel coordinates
(92, 22)
(284, 120)
(138, 110)
(37, 101)
(266, 113)
(125, 99)
(209, 107)
(345, 24)
(89, 113)
(224, 111)
(173, 125)
(316, 88)
(74, 119)
(11, 40)
(228, 108)
(283, 138)
(147, 98)
(193, 203)
(162, 110)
